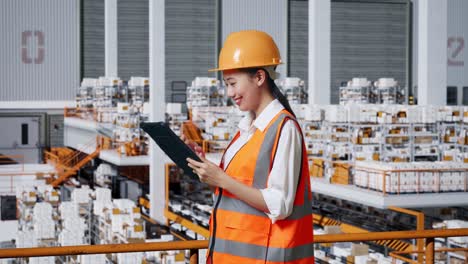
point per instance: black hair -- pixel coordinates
(274, 90)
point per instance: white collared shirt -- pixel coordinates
(282, 181)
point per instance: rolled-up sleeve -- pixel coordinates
(282, 182)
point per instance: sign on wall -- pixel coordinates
(39, 50)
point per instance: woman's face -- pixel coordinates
(243, 89)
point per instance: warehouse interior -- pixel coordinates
(379, 88)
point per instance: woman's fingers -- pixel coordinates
(194, 162)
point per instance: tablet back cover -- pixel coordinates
(171, 144)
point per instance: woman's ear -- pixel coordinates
(260, 77)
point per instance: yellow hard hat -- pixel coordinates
(248, 49)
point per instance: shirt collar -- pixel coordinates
(262, 121)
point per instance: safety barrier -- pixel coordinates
(194, 246)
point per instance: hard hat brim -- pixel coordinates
(250, 66)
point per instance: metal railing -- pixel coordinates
(194, 246)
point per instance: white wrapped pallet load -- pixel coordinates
(130, 258)
(119, 221)
(135, 231)
(362, 113)
(428, 179)
(42, 260)
(409, 177)
(314, 113)
(26, 239)
(42, 210)
(75, 224)
(452, 224)
(300, 110)
(92, 259)
(70, 238)
(136, 213)
(44, 228)
(465, 114)
(341, 249)
(124, 205)
(449, 114)
(336, 114)
(445, 181)
(44, 188)
(173, 108)
(103, 195)
(100, 208)
(68, 210)
(428, 114)
(81, 195)
(361, 259)
(26, 193)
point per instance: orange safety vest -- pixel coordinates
(240, 233)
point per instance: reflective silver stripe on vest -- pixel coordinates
(264, 253)
(262, 167)
(235, 205)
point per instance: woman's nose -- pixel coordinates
(230, 92)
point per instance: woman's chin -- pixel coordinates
(242, 108)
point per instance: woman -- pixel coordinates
(262, 211)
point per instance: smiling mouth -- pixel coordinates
(238, 100)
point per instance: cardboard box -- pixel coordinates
(332, 230)
(359, 249)
(316, 168)
(341, 173)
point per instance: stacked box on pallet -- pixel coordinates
(130, 258)
(92, 259)
(450, 114)
(44, 225)
(452, 224)
(427, 114)
(42, 260)
(124, 205)
(175, 257)
(73, 231)
(428, 180)
(68, 210)
(103, 195)
(336, 114)
(26, 239)
(67, 237)
(44, 228)
(458, 181)
(48, 193)
(119, 220)
(103, 201)
(363, 113)
(408, 177)
(81, 195)
(26, 194)
(104, 173)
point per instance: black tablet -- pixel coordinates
(171, 144)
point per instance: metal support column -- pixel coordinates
(319, 52)
(110, 38)
(157, 105)
(432, 52)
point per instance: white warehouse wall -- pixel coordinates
(457, 45)
(270, 16)
(39, 51)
